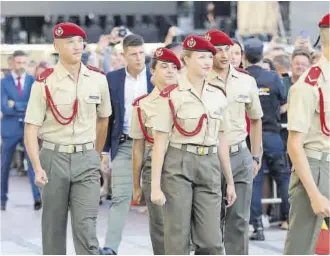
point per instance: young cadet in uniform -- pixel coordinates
(69, 108)
(190, 116)
(309, 150)
(164, 68)
(242, 95)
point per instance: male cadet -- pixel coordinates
(69, 108)
(242, 94)
(309, 149)
(15, 93)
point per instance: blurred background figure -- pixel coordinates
(41, 67)
(268, 65)
(15, 93)
(237, 54)
(31, 68)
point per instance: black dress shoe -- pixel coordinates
(3, 206)
(37, 205)
(108, 251)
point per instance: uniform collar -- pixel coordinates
(324, 64)
(154, 93)
(184, 83)
(232, 73)
(62, 72)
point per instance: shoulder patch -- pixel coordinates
(45, 74)
(167, 90)
(243, 71)
(137, 100)
(95, 69)
(313, 75)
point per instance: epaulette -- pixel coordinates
(45, 74)
(313, 76)
(167, 90)
(95, 69)
(137, 100)
(243, 71)
(221, 89)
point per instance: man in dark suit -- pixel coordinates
(125, 85)
(15, 93)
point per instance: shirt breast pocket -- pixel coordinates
(242, 101)
(92, 100)
(188, 118)
(64, 104)
(216, 117)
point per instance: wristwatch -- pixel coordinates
(257, 159)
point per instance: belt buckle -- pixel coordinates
(71, 149)
(201, 150)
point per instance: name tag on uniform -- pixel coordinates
(94, 99)
(217, 114)
(264, 91)
(243, 97)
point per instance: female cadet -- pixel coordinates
(164, 68)
(190, 117)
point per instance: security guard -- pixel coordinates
(69, 108)
(191, 116)
(164, 67)
(309, 150)
(273, 101)
(242, 96)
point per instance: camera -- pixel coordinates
(122, 32)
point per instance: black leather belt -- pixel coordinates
(123, 138)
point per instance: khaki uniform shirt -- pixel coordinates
(147, 106)
(304, 109)
(93, 101)
(243, 96)
(189, 108)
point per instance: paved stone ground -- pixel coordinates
(21, 234)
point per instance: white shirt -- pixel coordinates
(134, 87)
(15, 76)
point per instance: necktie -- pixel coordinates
(19, 86)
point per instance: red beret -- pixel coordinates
(325, 22)
(166, 55)
(198, 43)
(67, 29)
(217, 37)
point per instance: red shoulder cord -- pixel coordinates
(56, 112)
(324, 128)
(138, 109)
(143, 128)
(180, 129)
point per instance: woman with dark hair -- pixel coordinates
(164, 67)
(237, 54)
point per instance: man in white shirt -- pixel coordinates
(15, 94)
(125, 86)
